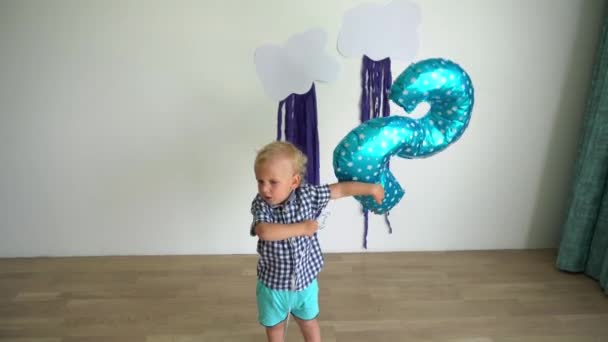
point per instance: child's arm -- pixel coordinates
(346, 189)
(277, 231)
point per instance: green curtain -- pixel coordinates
(584, 244)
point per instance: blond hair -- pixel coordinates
(286, 150)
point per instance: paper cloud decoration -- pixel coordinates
(380, 31)
(294, 66)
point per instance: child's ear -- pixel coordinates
(297, 179)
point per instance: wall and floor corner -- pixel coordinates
(131, 128)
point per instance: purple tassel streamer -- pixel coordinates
(365, 227)
(388, 223)
(301, 129)
(280, 119)
(376, 81)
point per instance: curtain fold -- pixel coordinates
(584, 243)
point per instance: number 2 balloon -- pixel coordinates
(363, 154)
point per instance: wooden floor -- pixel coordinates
(498, 296)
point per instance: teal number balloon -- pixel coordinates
(363, 154)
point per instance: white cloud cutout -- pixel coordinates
(293, 67)
(379, 31)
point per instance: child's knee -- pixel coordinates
(275, 333)
(278, 326)
(307, 323)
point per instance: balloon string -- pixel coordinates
(292, 289)
(388, 223)
(288, 314)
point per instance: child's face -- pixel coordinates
(276, 179)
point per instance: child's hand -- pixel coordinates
(311, 227)
(378, 193)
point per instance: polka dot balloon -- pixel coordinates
(363, 154)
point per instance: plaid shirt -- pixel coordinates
(297, 259)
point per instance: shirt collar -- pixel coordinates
(292, 196)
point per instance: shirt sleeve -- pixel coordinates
(261, 213)
(320, 195)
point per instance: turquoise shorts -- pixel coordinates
(274, 305)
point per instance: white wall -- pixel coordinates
(130, 127)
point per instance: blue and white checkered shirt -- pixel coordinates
(298, 259)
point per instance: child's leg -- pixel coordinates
(273, 308)
(310, 329)
(276, 333)
(306, 311)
